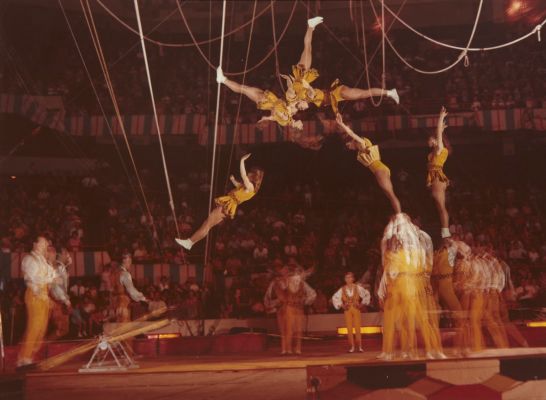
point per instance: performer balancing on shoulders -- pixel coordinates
(368, 155)
(437, 181)
(226, 206)
(351, 297)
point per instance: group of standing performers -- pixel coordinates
(416, 281)
(47, 299)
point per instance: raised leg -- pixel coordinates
(253, 93)
(214, 218)
(306, 58)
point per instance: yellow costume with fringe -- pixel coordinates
(402, 310)
(231, 201)
(436, 163)
(278, 108)
(369, 157)
(321, 98)
(300, 91)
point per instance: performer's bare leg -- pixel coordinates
(383, 178)
(253, 93)
(438, 192)
(307, 55)
(214, 218)
(352, 94)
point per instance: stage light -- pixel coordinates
(536, 324)
(365, 330)
(163, 336)
(515, 7)
(13, 177)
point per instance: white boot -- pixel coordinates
(313, 22)
(352, 350)
(220, 77)
(185, 243)
(393, 94)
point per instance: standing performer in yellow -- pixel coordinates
(428, 307)
(469, 280)
(437, 180)
(442, 283)
(124, 291)
(351, 297)
(38, 275)
(492, 296)
(368, 155)
(400, 285)
(59, 291)
(294, 298)
(226, 206)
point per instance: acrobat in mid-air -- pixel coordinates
(437, 180)
(226, 206)
(300, 92)
(368, 155)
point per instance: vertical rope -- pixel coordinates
(216, 122)
(156, 119)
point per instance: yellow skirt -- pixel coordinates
(379, 166)
(335, 95)
(228, 204)
(436, 174)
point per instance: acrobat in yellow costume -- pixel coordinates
(371, 158)
(279, 109)
(302, 91)
(442, 283)
(436, 167)
(232, 200)
(492, 312)
(429, 309)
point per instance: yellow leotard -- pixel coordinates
(231, 201)
(278, 108)
(436, 163)
(321, 98)
(301, 93)
(369, 157)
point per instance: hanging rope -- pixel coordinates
(241, 95)
(104, 66)
(453, 64)
(216, 122)
(156, 118)
(536, 30)
(106, 120)
(274, 31)
(362, 74)
(230, 33)
(365, 49)
(259, 64)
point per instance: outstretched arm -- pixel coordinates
(235, 182)
(349, 131)
(441, 127)
(249, 186)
